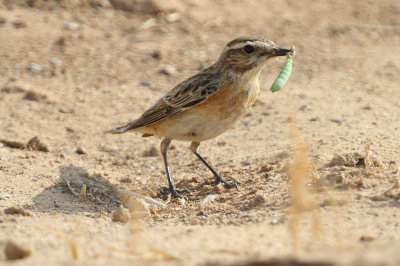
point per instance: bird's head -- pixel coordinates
(244, 54)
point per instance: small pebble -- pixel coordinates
(138, 207)
(20, 24)
(265, 169)
(17, 250)
(55, 62)
(3, 21)
(378, 198)
(338, 120)
(221, 143)
(332, 179)
(173, 17)
(111, 149)
(313, 119)
(278, 220)
(34, 144)
(17, 210)
(35, 96)
(282, 155)
(332, 201)
(80, 151)
(367, 238)
(145, 83)
(4, 196)
(168, 70)
(152, 152)
(303, 107)
(126, 180)
(148, 24)
(71, 25)
(157, 54)
(121, 215)
(35, 67)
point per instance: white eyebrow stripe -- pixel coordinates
(237, 46)
(257, 43)
(242, 44)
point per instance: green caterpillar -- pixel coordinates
(286, 70)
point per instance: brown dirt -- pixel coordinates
(72, 69)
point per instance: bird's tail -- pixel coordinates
(119, 130)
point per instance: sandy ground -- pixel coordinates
(71, 69)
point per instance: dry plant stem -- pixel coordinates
(367, 159)
(316, 225)
(293, 230)
(73, 248)
(300, 170)
(83, 191)
(70, 240)
(163, 254)
(71, 189)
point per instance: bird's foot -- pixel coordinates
(227, 184)
(176, 193)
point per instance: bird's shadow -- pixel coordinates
(66, 197)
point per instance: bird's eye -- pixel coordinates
(248, 49)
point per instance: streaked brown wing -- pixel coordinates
(184, 96)
(159, 111)
(193, 90)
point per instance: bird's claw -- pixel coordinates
(176, 193)
(227, 184)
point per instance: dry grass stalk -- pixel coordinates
(300, 170)
(316, 226)
(72, 247)
(70, 240)
(314, 173)
(83, 191)
(71, 189)
(367, 158)
(162, 254)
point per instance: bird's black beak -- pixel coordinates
(280, 52)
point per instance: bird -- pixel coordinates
(208, 103)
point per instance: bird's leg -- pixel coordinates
(194, 146)
(164, 147)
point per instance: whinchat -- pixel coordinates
(208, 103)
